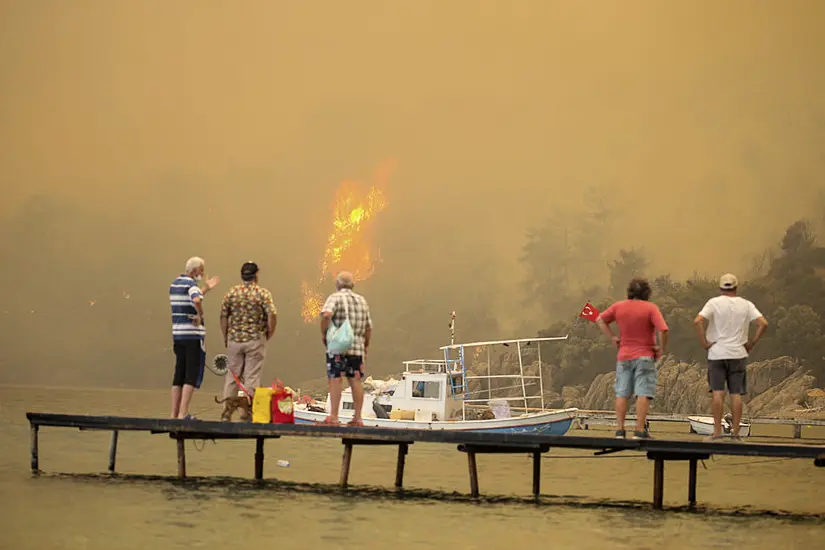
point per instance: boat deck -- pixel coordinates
(469, 442)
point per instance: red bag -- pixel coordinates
(283, 404)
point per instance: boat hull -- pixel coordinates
(703, 425)
(547, 423)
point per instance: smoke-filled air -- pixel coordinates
(506, 161)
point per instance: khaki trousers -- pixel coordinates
(246, 360)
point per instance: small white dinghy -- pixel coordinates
(703, 425)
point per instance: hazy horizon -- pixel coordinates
(136, 135)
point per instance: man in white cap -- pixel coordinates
(723, 328)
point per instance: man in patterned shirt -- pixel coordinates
(248, 319)
(349, 364)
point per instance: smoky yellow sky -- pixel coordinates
(702, 123)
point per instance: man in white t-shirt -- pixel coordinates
(728, 318)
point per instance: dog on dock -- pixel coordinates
(231, 404)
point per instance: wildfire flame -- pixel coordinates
(349, 245)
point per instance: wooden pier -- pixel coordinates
(471, 443)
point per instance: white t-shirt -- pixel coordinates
(729, 319)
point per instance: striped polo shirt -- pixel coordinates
(181, 293)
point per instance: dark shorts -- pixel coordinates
(190, 360)
(730, 371)
(344, 365)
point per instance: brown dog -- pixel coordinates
(231, 404)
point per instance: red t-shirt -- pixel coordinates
(638, 322)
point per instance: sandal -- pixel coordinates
(326, 422)
(712, 438)
(355, 423)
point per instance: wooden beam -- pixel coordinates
(536, 474)
(113, 452)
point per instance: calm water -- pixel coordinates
(590, 503)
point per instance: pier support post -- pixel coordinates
(345, 464)
(259, 458)
(399, 470)
(536, 474)
(658, 483)
(471, 463)
(692, 483)
(797, 431)
(113, 452)
(181, 457)
(35, 458)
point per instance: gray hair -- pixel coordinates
(193, 263)
(344, 280)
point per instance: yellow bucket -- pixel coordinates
(261, 406)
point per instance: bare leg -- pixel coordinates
(642, 405)
(736, 405)
(176, 391)
(717, 407)
(186, 397)
(335, 387)
(357, 396)
(621, 412)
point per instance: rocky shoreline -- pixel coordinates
(778, 387)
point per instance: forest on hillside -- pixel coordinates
(786, 282)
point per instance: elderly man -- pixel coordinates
(342, 305)
(188, 333)
(728, 318)
(639, 321)
(248, 319)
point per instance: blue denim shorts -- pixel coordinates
(636, 377)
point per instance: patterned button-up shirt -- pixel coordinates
(359, 316)
(247, 307)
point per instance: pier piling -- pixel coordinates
(35, 458)
(471, 463)
(259, 458)
(658, 482)
(692, 482)
(181, 457)
(403, 448)
(113, 452)
(345, 464)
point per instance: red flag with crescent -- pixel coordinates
(589, 312)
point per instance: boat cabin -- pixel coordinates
(428, 390)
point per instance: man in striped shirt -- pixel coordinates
(188, 333)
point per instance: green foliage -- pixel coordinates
(787, 287)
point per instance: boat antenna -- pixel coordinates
(452, 329)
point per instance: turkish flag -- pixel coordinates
(589, 312)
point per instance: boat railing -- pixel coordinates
(432, 366)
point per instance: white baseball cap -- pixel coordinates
(728, 281)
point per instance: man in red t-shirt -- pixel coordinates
(638, 321)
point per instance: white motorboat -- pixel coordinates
(433, 395)
(703, 425)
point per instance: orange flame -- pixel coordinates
(349, 245)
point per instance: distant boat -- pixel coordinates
(433, 395)
(703, 425)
